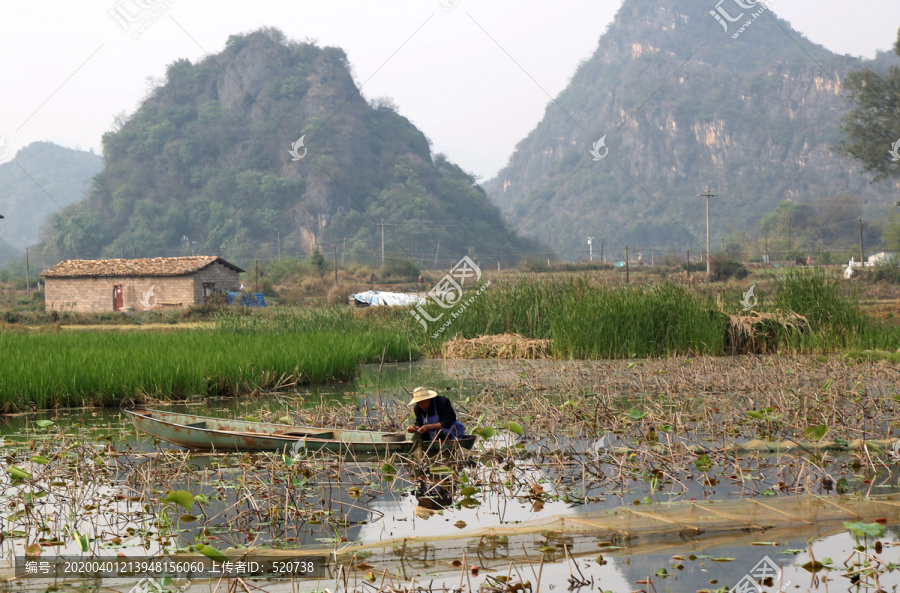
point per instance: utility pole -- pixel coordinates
(627, 266)
(689, 266)
(819, 250)
(767, 248)
(436, 251)
(591, 248)
(344, 254)
(257, 276)
(601, 250)
(27, 275)
(279, 244)
(707, 195)
(382, 225)
(862, 253)
(335, 264)
(133, 246)
(722, 239)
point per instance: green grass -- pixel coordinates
(587, 321)
(833, 310)
(241, 355)
(636, 322)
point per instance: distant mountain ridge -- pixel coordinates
(268, 148)
(682, 104)
(63, 173)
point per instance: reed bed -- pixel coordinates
(834, 314)
(589, 321)
(807, 311)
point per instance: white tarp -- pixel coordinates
(376, 298)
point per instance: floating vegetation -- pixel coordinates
(735, 447)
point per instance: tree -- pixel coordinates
(319, 263)
(790, 230)
(873, 127)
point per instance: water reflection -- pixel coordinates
(500, 492)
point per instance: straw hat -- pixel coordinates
(421, 394)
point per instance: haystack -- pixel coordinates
(756, 333)
(506, 346)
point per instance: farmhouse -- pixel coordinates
(94, 286)
(882, 257)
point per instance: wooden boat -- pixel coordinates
(203, 432)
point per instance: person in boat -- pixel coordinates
(435, 417)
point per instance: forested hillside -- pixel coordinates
(204, 166)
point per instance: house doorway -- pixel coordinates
(118, 298)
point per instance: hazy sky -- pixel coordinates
(474, 76)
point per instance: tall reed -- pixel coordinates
(589, 321)
(833, 309)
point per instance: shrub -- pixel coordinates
(400, 270)
(534, 263)
(337, 295)
(722, 268)
(888, 271)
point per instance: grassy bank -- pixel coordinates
(242, 354)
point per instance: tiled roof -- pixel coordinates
(157, 266)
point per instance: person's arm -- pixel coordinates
(424, 428)
(420, 419)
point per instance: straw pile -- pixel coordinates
(507, 346)
(756, 333)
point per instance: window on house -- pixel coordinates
(208, 289)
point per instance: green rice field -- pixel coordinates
(241, 355)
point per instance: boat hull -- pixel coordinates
(206, 433)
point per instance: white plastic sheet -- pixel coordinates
(376, 298)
